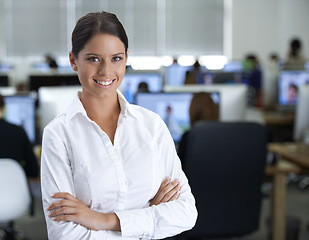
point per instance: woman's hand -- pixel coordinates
(71, 209)
(168, 191)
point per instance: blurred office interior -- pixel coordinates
(241, 48)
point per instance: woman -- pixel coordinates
(202, 108)
(110, 169)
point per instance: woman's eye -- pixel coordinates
(116, 59)
(94, 59)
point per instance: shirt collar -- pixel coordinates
(77, 107)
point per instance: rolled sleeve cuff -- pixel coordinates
(136, 223)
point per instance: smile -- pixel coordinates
(104, 83)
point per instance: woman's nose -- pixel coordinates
(104, 69)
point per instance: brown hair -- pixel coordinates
(1, 102)
(93, 23)
(203, 107)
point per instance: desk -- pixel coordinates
(294, 156)
(279, 125)
(278, 119)
(297, 153)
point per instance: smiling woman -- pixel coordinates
(109, 169)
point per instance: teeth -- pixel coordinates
(105, 83)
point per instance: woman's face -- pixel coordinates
(100, 65)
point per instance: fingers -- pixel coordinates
(67, 200)
(168, 191)
(60, 203)
(165, 183)
(173, 192)
(63, 195)
(62, 211)
(175, 196)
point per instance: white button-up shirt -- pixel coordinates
(79, 158)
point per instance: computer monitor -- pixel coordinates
(4, 80)
(50, 79)
(131, 81)
(175, 74)
(8, 91)
(20, 110)
(53, 101)
(233, 98)
(173, 108)
(233, 66)
(223, 77)
(301, 122)
(5, 68)
(289, 83)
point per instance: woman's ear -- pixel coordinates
(72, 61)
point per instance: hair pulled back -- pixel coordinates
(94, 23)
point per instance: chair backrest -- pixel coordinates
(15, 195)
(225, 167)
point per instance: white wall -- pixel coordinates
(266, 26)
(258, 26)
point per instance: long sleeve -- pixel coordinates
(56, 176)
(167, 219)
(121, 178)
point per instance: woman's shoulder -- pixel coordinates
(57, 123)
(146, 117)
(144, 113)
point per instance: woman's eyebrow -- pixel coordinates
(121, 53)
(92, 54)
(95, 54)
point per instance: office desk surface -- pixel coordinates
(297, 153)
(294, 156)
(278, 119)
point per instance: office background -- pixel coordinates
(231, 28)
(228, 28)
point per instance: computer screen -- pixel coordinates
(4, 80)
(223, 77)
(49, 79)
(233, 98)
(7, 91)
(53, 101)
(131, 82)
(289, 83)
(5, 67)
(233, 66)
(20, 110)
(175, 74)
(173, 108)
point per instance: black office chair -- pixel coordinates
(225, 167)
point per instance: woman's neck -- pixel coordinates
(100, 108)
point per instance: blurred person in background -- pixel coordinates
(202, 108)
(15, 144)
(295, 59)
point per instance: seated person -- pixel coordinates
(15, 144)
(295, 60)
(202, 108)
